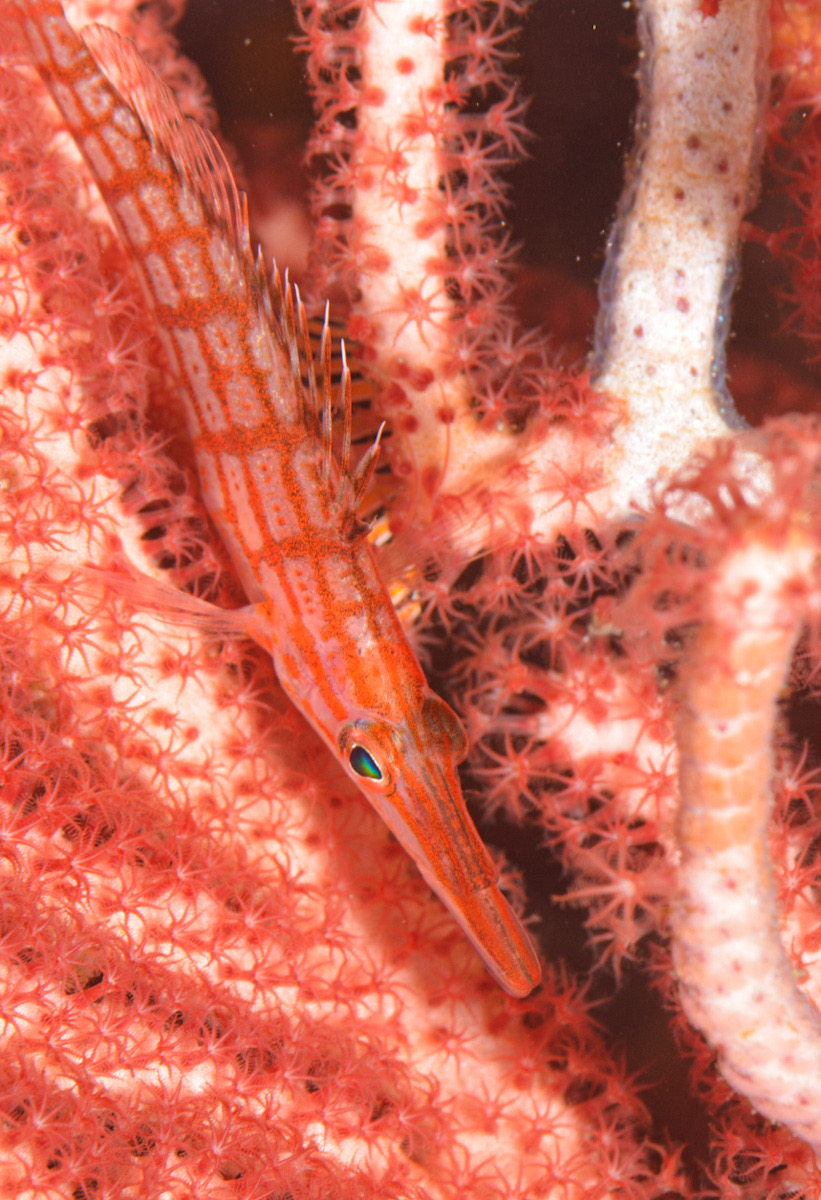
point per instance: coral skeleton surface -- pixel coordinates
(220, 975)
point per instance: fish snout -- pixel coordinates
(498, 937)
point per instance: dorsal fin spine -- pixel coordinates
(308, 372)
(347, 411)
(291, 343)
(327, 398)
(361, 477)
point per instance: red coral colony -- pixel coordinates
(220, 976)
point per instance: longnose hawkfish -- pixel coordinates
(260, 423)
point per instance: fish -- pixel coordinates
(259, 415)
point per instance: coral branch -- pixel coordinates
(738, 986)
(400, 225)
(409, 206)
(672, 255)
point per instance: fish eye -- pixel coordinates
(364, 763)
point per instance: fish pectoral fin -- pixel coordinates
(442, 724)
(175, 607)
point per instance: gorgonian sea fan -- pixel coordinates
(219, 975)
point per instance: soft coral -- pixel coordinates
(219, 977)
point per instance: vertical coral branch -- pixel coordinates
(401, 225)
(737, 984)
(417, 118)
(671, 264)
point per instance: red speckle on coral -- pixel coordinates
(429, 481)
(395, 396)
(377, 261)
(428, 226)
(426, 26)
(373, 97)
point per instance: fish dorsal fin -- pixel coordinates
(194, 154)
(353, 482)
(191, 155)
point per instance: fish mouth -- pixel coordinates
(497, 936)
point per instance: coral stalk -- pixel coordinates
(737, 983)
(671, 265)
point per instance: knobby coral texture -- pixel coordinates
(220, 976)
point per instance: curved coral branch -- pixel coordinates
(737, 984)
(672, 254)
